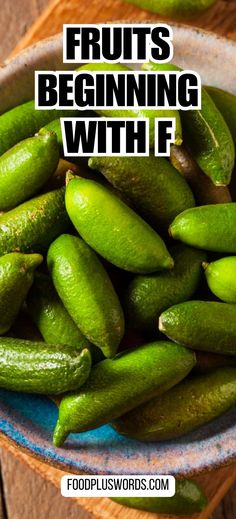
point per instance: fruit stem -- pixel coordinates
(69, 176)
(160, 325)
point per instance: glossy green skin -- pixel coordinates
(148, 296)
(114, 230)
(26, 167)
(118, 385)
(183, 409)
(207, 136)
(139, 112)
(226, 104)
(168, 67)
(188, 499)
(52, 319)
(87, 292)
(55, 127)
(37, 367)
(178, 9)
(156, 189)
(210, 141)
(24, 121)
(221, 278)
(16, 278)
(209, 227)
(33, 225)
(202, 325)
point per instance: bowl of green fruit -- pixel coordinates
(118, 280)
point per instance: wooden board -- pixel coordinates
(17, 467)
(221, 18)
(18, 20)
(2, 501)
(215, 484)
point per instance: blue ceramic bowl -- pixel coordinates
(28, 420)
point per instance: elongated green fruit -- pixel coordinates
(176, 9)
(205, 192)
(55, 127)
(221, 278)
(33, 225)
(16, 278)
(156, 189)
(147, 371)
(51, 317)
(202, 325)
(26, 167)
(87, 292)
(148, 296)
(53, 320)
(24, 121)
(209, 227)
(207, 136)
(37, 367)
(226, 103)
(114, 230)
(184, 408)
(188, 499)
(150, 114)
(210, 140)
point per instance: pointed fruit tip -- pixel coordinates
(59, 435)
(160, 324)
(178, 140)
(47, 134)
(220, 183)
(170, 231)
(205, 264)
(69, 176)
(169, 263)
(34, 260)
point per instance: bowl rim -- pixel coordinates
(24, 57)
(175, 25)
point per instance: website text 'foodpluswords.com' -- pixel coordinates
(118, 486)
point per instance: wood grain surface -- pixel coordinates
(30, 489)
(15, 19)
(221, 18)
(24, 475)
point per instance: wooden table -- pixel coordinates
(28, 488)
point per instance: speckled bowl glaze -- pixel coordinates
(28, 420)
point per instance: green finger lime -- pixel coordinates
(221, 278)
(114, 230)
(147, 371)
(87, 292)
(189, 405)
(188, 499)
(26, 167)
(207, 135)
